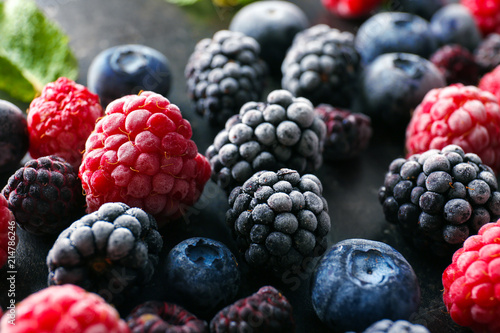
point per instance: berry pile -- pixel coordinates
(440, 197)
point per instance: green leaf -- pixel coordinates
(33, 50)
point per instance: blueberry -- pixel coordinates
(203, 274)
(359, 281)
(388, 32)
(128, 69)
(14, 138)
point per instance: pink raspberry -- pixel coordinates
(61, 119)
(66, 308)
(140, 153)
(457, 114)
(8, 235)
(491, 82)
(486, 14)
(472, 281)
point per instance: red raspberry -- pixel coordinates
(491, 82)
(472, 281)
(66, 308)
(61, 119)
(351, 8)
(8, 235)
(486, 14)
(457, 114)
(140, 153)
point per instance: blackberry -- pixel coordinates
(157, 317)
(322, 65)
(266, 311)
(440, 197)
(223, 73)
(487, 54)
(112, 252)
(457, 64)
(347, 133)
(282, 132)
(389, 326)
(278, 219)
(45, 195)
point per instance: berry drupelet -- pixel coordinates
(223, 73)
(322, 65)
(281, 132)
(440, 197)
(278, 219)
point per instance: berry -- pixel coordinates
(141, 153)
(423, 8)
(265, 311)
(389, 326)
(279, 219)
(45, 195)
(112, 252)
(388, 32)
(66, 308)
(347, 133)
(393, 84)
(202, 274)
(454, 24)
(322, 65)
(487, 54)
(352, 8)
(491, 82)
(439, 198)
(127, 69)
(8, 235)
(223, 73)
(457, 114)
(374, 274)
(456, 64)
(14, 138)
(61, 119)
(155, 316)
(471, 281)
(486, 14)
(281, 132)
(273, 24)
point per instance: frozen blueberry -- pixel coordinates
(14, 138)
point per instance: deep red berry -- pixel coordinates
(141, 153)
(66, 308)
(8, 235)
(351, 8)
(61, 119)
(472, 281)
(457, 64)
(486, 14)
(457, 114)
(491, 82)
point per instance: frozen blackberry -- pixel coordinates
(45, 195)
(487, 54)
(457, 64)
(112, 252)
(278, 219)
(347, 133)
(440, 197)
(223, 73)
(282, 132)
(322, 65)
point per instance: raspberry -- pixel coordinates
(440, 197)
(265, 311)
(460, 115)
(471, 282)
(486, 14)
(279, 219)
(347, 133)
(140, 153)
(487, 54)
(66, 308)
(223, 73)
(389, 326)
(352, 8)
(61, 119)
(8, 235)
(457, 64)
(45, 195)
(155, 316)
(491, 82)
(112, 252)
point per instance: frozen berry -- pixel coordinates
(67, 308)
(389, 326)
(14, 138)
(352, 8)
(491, 82)
(8, 235)
(487, 54)
(486, 14)
(61, 119)
(456, 64)
(141, 153)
